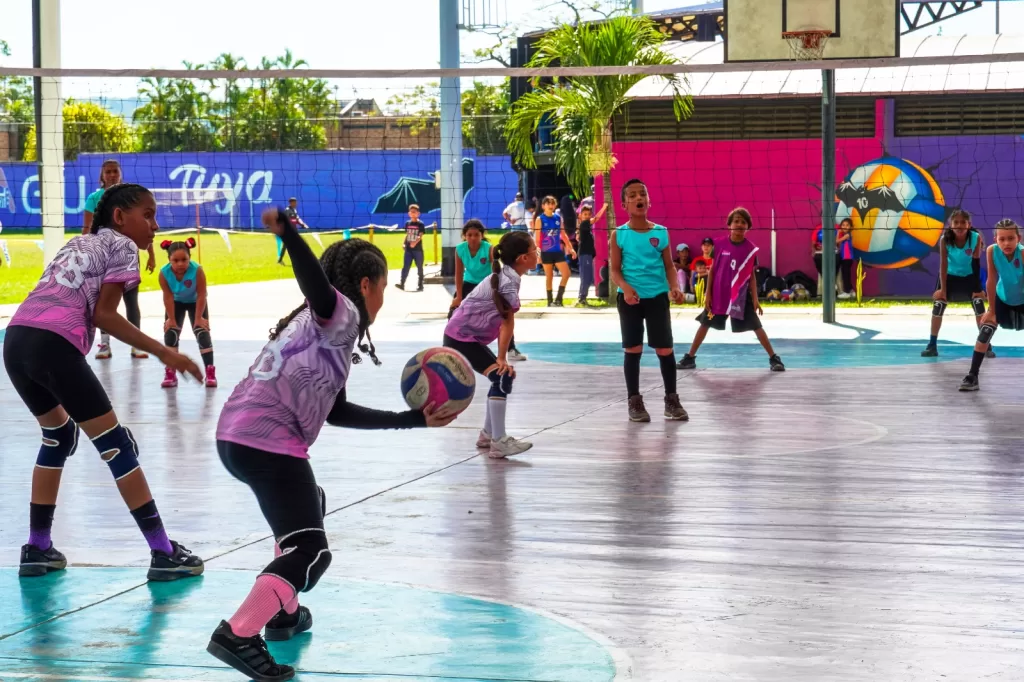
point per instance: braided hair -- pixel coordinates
(507, 252)
(123, 196)
(346, 263)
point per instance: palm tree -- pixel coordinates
(582, 107)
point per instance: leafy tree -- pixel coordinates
(176, 116)
(16, 101)
(581, 108)
(88, 127)
(484, 107)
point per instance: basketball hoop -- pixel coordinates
(807, 45)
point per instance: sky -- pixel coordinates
(342, 34)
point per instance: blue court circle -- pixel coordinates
(104, 624)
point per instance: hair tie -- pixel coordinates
(165, 244)
(191, 243)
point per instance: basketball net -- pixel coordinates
(807, 45)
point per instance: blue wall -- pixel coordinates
(337, 189)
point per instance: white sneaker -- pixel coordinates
(103, 352)
(508, 446)
(844, 296)
(483, 441)
(514, 355)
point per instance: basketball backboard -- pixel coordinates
(862, 29)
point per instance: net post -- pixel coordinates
(828, 194)
(49, 121)
(371, 233)
(451, 138)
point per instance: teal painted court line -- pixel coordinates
(796, 353)
(102, 624)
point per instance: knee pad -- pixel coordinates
(304, 558)
(58, 444)
(985, 333)
(118, 449)
(203, 339)
(979, 306)
(939, 308)
(171, 337)
(501, 384)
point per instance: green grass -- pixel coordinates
(253, 258)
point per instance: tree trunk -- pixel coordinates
(606, 190)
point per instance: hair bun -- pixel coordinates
(191, 242)
(165, 244)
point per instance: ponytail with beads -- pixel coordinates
(507, 252)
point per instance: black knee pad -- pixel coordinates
(985, 333)
(171, 337)
(979, 306)
(58, 444)
(501, 384)
(204, 339)
(938, 308)
(304, 558)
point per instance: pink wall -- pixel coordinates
(694, 186)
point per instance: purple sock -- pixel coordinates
(40, 519)
(152, 527)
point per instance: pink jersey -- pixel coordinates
(64, 301)
(477, 318)
(284, 401)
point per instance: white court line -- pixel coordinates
(75, 677)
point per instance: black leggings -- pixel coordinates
(173, 335)
(293, 505)
(47, 371)
(131, 307)
(846, 267)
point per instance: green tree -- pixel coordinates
(16, 103)
(581, 108)
(88, 127)
(484, 109)
(176, 116)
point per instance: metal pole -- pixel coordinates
(997, 17)
(828, 190)
(638, 6)
(451, 139)
(49, 106)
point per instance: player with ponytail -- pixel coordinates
(274, 416)
(183, 282)
(488, 314)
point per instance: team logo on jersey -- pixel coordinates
(187, 283)
(654, 242)
(484, 259)
(967, 250)
(1016, 262)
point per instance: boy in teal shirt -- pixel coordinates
(641, 266)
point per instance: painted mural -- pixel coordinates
(898, 191)
(335, 190)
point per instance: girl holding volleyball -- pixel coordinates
(488, 314)
(959, 275)
(1005, 289)
(296, 384)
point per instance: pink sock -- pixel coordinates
(292, 606)
(268, 596)
(277, 550)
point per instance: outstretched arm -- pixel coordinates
(312, 280)
(350, 415)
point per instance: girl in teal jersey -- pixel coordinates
(183, 283)
(1005, 290)
(959, 274)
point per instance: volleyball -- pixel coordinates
(897, 209)
(440, 376)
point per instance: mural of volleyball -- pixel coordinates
(898, 212)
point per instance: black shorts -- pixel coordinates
(182, 309)
(960, 289)
(750, 322)
(1009, 316)
(480, 357)
(654, 312)
(552, 257)
(47, 371)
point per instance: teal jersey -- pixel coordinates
(959, 259)
(643, 266)
(184, 289)
(93, 199)
(1010, 288)
(475, 268)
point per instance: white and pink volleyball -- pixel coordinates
(441, 376)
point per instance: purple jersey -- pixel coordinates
(477, 319)
(733, 267)
(64, 301)
(284, 401)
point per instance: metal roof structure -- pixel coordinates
(900, 80)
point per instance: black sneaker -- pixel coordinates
(419, 288)
(181, 564)
(247, 655)
(970, 383)
(775, 363)
(400, 285)
(637, 411)
(930, 352)
(36, 562)
(284, 626)
(688, 362)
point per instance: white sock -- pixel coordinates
(105, 338)
(487, 417)
(496, 417)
